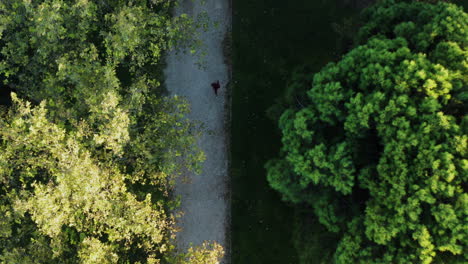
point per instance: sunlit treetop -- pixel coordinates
(378, 147)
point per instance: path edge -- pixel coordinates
(227, 54)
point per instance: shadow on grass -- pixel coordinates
(271, 38)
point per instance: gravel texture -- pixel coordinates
(205, 198)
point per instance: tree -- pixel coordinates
(205, 253)
(378, 146)
(91, 144)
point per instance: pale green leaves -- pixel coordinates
(81, 191)
(207, 253)
(93, 251)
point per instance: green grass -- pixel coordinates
(270, 38)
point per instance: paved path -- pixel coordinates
(205, 200)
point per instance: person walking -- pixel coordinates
(215, 87)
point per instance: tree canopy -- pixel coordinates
(90, 144)
(377, 143)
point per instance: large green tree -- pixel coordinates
(90, 144)
(47, 174)
(377, 143)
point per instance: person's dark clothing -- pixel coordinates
(216, 86)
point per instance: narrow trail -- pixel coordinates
(205, 199)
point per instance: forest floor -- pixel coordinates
(205, 197)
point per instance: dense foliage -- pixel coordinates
(89, 144)
(377, 143)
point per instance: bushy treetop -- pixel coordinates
(380, 148)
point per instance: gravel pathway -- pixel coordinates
(205, 199)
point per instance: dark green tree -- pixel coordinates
(378, 145)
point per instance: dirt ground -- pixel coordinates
(205, 197)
